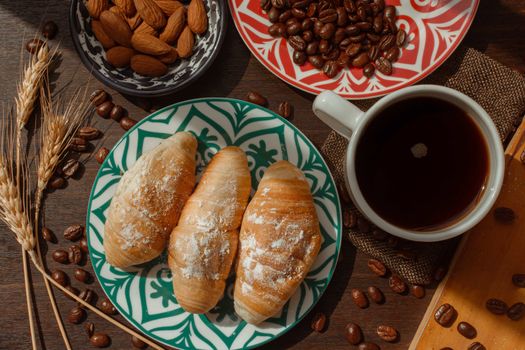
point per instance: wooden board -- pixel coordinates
(482, 268)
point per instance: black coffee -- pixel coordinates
(422, 163)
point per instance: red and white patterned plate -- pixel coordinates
(434, 27)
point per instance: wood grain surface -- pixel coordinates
(498, 31)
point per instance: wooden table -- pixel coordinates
(498, 31)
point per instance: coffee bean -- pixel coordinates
(104, 109)
(467, 330)
(397, 284)
(73, 290)
(476, 346)
(89, 328)
(328, 16)
(84, 245)
(350, 6)
(312, 48)
(60, 277)
(353, 333)
(298, 13)
(440, 273)
(363, 225)
(308, 36)
(390, 12)
(117, 112)
(504, 215)
(56, 183)
(266, 5)
(107, 307)
(377, 267)
(79, 145)
(101, 154)
(343, 59)
(76, 315)
(376, 295)
(331, 68)
(49, 30)
(297, 43)
(387, 333)
(361, 13)
(48, 235)
(257, 98)
(285, 110)
(349, 219)
(496, 306)
(70, 167)
(87, 295)
(518, 279)
(327, 31)
(318, 322)
(353, 49)
(137, 343)
(378, 24)
(60, 256)
(357, 38)
(417, 291)
(274, 14)
(393, 54)
(368, 346)
(276, 29)
(384, 66)
(359, 298)
(82, 275)
(316, 60)
(100, 340)
(445, 315)
(324, 46)
(401, 38)
(98, 97)
(332, 54)
(278, 3)
(516, 311)
(127, 123)
(73, 232)
(34, 45)
(361, 60)
(75, 254)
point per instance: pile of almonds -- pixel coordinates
(147, 35)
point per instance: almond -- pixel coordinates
(170, 57)
(100, 34)
(168, 6)
(127, 7)
(174, 27)
(134, 22)
(146, 29)
(185, 43)
(95, 7)
(118, 11)
(116, 27)
(197, 18)
(148, 66)
(119, 56)
(149, 44)
(151, 13)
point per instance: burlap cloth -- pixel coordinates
(501, 92)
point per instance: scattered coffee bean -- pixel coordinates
(363, 225)
(117, 112)
(89, 328)
(83, 245)
(496, 306)
(397, 284)
(467, 330)
(137, 343)
(353, 333)
(257, 98)
(368, 346)
(387, 333)
(440, 273)
(75, 254)
(318, 322)
(518, 279)
(285, 110)
(476, 346)
(417, 291)
(48, 235)
(70, 167)
(104, 109)
(87, 295)
(516, 311)
(377, 267)
(101, 155)
(82, 275)
(343, 193)
(100, 340)
(60, 277)
(73, 290)
(379, 235)
(89, 133)
(60, 256)
(107, 307)
(98, 97)
(127, 123)
(445, 315)
(375, 294)
(34, 45)
(56, 183)
(349, 219)
(504, 215)
(74, 232)
(359, 298)
(76, 315)
(49, 30)
(79, 145)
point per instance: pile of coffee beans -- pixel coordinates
(333, 34)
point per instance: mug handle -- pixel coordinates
(336, 112)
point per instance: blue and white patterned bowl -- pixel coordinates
(180, 74)
(144, 294)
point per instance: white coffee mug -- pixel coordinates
(351, 122)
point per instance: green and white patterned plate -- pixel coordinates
(144, 294)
